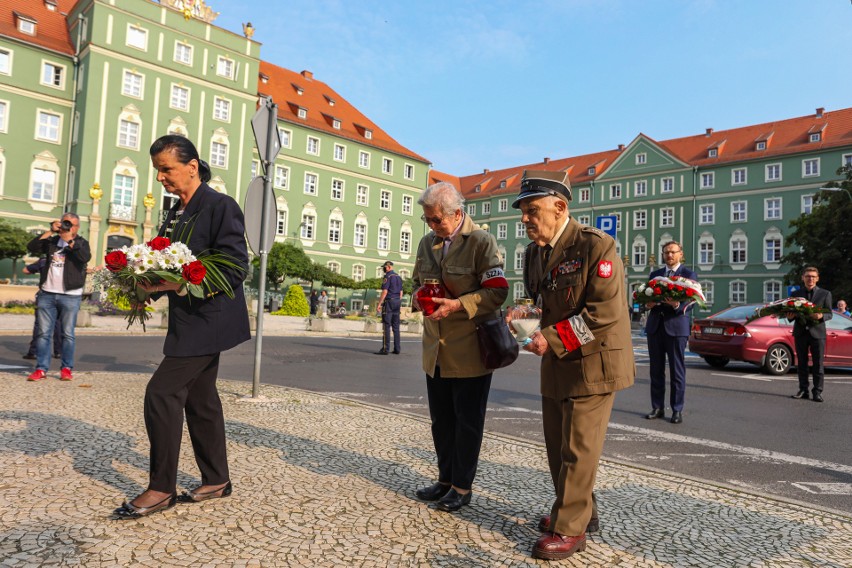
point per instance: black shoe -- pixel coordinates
(381, 352)
(30, 356)
(130, 511)
(802, 394)
(656, 413)
(193, 496)
(453, 500)
(433, 492)
(817, 397)
(677, 417)
(395, 352)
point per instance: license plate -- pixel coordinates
(713, 330)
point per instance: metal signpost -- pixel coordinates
(264, 124)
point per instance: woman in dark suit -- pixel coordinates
(199, 329)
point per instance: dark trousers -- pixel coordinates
(185, 384)
(457, 408)
(805, 343)
(661, 345)
(390, 320)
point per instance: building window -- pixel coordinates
(123, 190)
(502, 205)
(4, 116)
(44, 185)
(219, 154)
(640, 219)
(502, 231)
(407, 204)
(771, 208)
(760, 146)
(308, 225)
(311, 183)
(384, 199)
(405, 241)
(739, 212)
(26, 26)
(738, 176)
(48, 126)
(640, 253)
(615, 191)
(302, 113)
(712, 152)
(640, 189)
(773, 172)
(5, 62)
(519, 259)
(486, 208)
(585, 194)
(810, 167)
(128, 134)
(815, 137)
(771, 291)
(334, 228)
(358, 272)
(225, 67)
(337, 189)
(617, 220)
(737, 292)
(387, 166)
(137, 37)
(183, 53)
(707, 215)
(706, 250)
(363, 159)
(282, 176)
(739, 252)
(362, 193)
(807, 204)
(772, 248)
(520, 230)
(641, 158)
(708, 289)
(339, 153)
(222, 109)
(333, 266)
(384, 239)
(408, 171)
(52, 75)
(281, 223)
(180, 98)
(132, 84)
(584, 220)
(285, 137)
(255, 167)
(846, 160)
(313, 146)
(667, 185)
(471, 209)
(667, 217)
(518, 290)
(708, 180)
(360, 239)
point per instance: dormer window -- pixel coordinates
(816, 136)
(477, 189)
(368, 134)
(50, 5)
(760, 145)
(330, 100)
(712, 153)
(503, 184)
(302, 112)
(336, 124)
(264, 78)
(26, 25)
(299, 90)
(591, 171)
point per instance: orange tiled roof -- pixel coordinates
(323, 106)
(51, 27)
(435, 176)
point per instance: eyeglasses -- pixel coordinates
(671, 251)
(432, 220)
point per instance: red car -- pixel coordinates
(767, 342)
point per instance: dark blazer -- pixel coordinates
(675, 322)
(215, 323)
(76, 259)
(821, 299)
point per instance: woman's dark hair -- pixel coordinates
(184, 151)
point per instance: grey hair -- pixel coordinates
(443, 195)
(72, 215)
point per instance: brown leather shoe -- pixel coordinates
(593, 526)
(554, 546)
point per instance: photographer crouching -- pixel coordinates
(61, 283)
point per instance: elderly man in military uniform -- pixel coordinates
(585, 346)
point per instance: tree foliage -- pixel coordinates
(13, 244)
(295, 303)
(285, 260)
(824, 238)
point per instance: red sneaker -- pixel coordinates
(37, 375)
(65, 374)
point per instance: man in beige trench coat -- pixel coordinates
(585, 345)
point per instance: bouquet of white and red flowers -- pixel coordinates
(800, 307)
(161, 260)
(663, 288)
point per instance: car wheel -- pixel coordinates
(779, 359)
(716, 361)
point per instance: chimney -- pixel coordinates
(708, 132)
(546, 159)
(307, 74)
(485, 171)
(621, 147)
(819, 112)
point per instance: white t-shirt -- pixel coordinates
(54, 282)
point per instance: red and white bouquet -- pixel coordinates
(160, 260)
(800, 307)
(663, 288)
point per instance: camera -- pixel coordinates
(65, 225)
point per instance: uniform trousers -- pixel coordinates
(390, 321)
(185, 384)
(457, 408)
(574, 433)
(816, 346)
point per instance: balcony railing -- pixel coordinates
(118, 212)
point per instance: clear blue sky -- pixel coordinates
(492, 84)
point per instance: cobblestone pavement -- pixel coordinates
(320, 481)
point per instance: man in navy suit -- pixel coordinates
(667, 330)
(809, 334)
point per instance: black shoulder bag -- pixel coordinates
(497, 346)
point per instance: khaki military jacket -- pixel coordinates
(584, 277)
(471, 260)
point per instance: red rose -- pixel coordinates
(159, 243)
(670, 286)
(635, 295)
(115, 260)
(194, 272)
(679, 288)
(791, 303)
(657, 291)
(690, 292)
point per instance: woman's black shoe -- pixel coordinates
(130, 511)
(433, 492)
(453, 500)
(196, 497)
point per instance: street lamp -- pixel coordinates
(836, 189)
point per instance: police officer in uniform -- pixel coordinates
(389, 304)
(585, 346)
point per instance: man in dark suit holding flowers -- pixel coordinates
(809, 333)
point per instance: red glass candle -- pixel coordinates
(431, 288)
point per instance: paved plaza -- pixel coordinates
(322, 481)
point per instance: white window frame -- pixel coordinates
(667, 212)
(709, 289)
(308, 226)
(363, 159)
(181, 46)
(502, 231)
(281, 223)
(520, 230)
(775, 293)
(846, 160)
(62, 71)
(4, 117)
(615, 191)
(737, 292)
(338, 188)
(123, 195)
(408, 171)
(225, 67)
(640, 219)
(769, 207)
(771, 168)
(383, 237)
(285, 136)
(135, 87)
(502, 205)
(339, 154)
(815, 137)
(219, 153)
(811, 167)
(486, 208)
(735, 174)
(143, 35)
(312, 146)
(641, 158)
(667, 185)
(585, 194)
(760, 146)
(584, 219)
(222, 109)
(362, 194)
(639, 252)
(31, 194)
(640, 188)
(7, 68)
(405, 241)
(281, 178)
(359, 234)
(471, 208)
(387, 165)
(311, 183)
(707, 214)
(706, 250)
(518, 290)
(738, 249)
(520, 253)
(48, 127)
(708, 180)
(175, 99)
(385, 199)
(407, 205)
(335, 230)
(807, 204)
(773, 235)
(358, 272)
(128, 137)
(735, 212)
